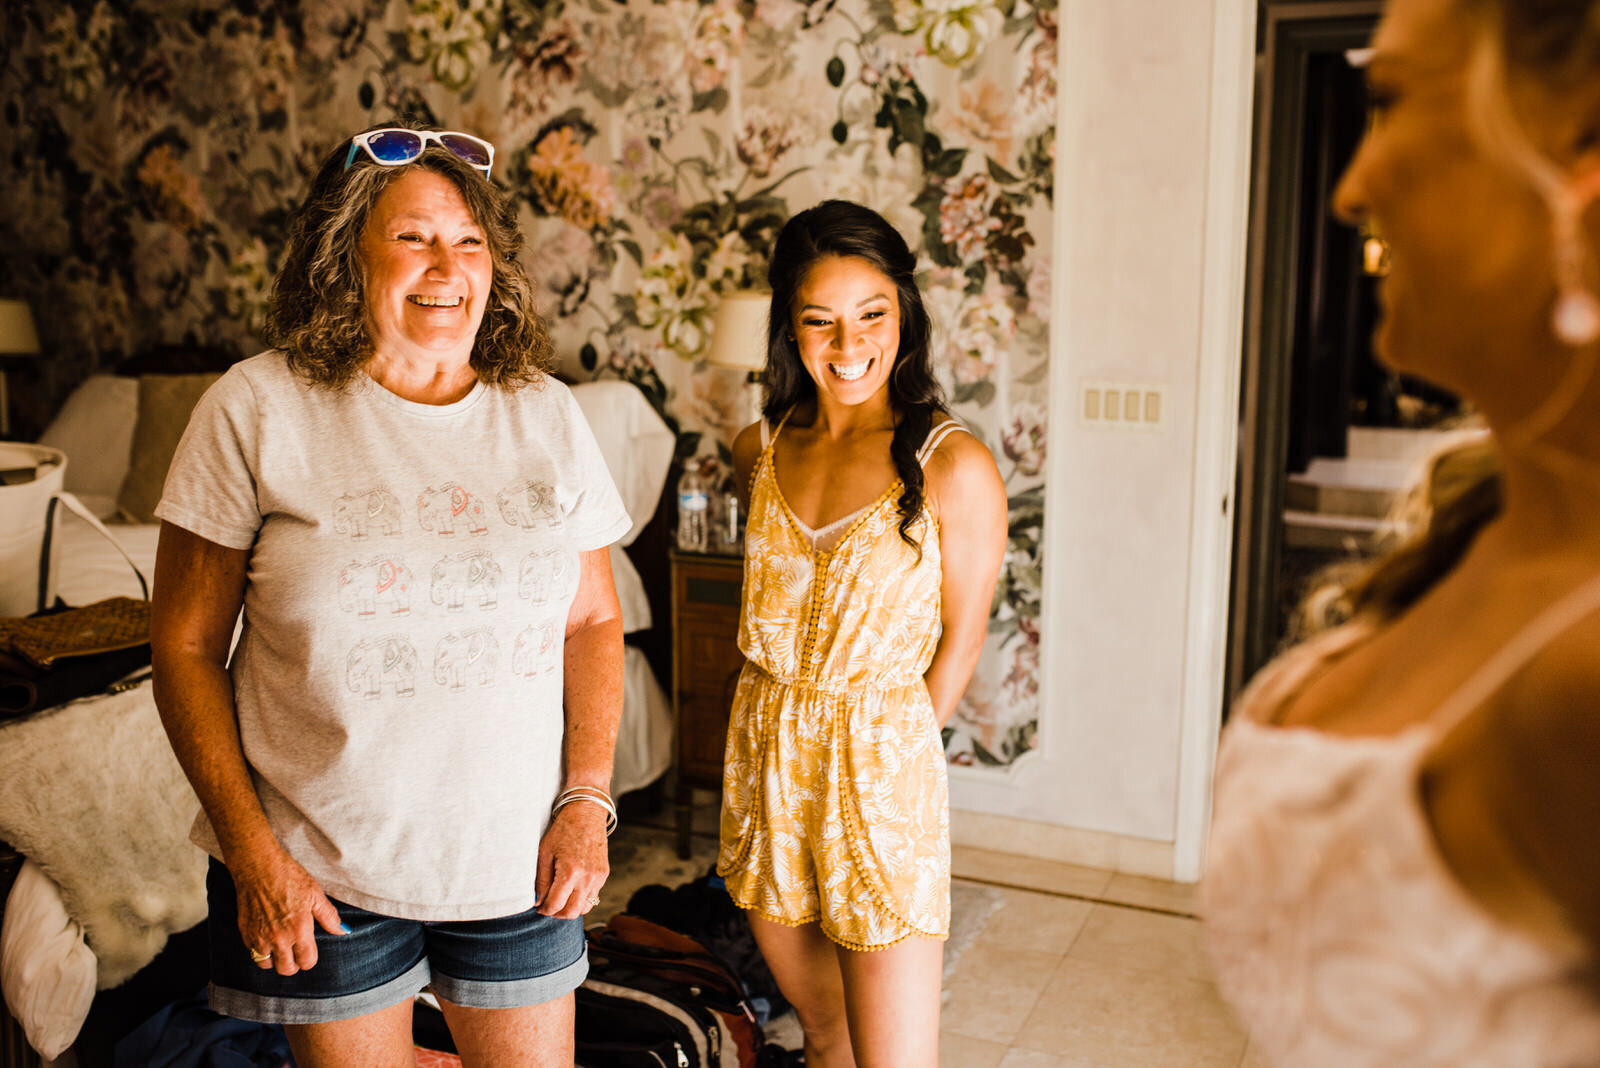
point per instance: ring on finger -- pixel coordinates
(260, 957)
(593, 901)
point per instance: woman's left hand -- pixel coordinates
(573, 863)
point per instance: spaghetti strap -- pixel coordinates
(935, 437)
(1515, 654)
(766, 434)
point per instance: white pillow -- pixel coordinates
(47, 971)
(630, 591)
(636, 443)
(95, 429)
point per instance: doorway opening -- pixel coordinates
(1328, 435)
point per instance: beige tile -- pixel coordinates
(1129, 1018)
(1043, 923)
(1010, 869)
(1127, 889)
(1031, 1058)
(1148, 941)
(961, 1051)
(993, 990)
(1253, 1057)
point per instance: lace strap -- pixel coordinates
(1515, 654)
(935, 437)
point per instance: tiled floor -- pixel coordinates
(1078, 968)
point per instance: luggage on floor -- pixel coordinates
(653, 997)
(703, 910)
(631, 957)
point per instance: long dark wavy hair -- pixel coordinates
(1556, 42)
(317, 313)
(841, 228)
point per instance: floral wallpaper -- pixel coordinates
(152, 150)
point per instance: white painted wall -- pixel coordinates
(1152, 165)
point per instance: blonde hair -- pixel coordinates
(1430, 528)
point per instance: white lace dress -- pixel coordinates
(1335, 928)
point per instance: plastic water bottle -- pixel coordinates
(729, 527)
(694, 511)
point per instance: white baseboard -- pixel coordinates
(1065, 845)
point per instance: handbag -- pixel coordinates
(61, 655)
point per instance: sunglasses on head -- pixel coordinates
(392, 147)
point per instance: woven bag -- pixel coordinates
(103, 627)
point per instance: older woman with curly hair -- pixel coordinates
(402, 767)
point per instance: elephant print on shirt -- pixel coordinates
(473, 574)
(530, 505)
(383, 580)
(535, 650)
(470, 655)
(355, 513)
(380, 662)
(548, 574)
(445, 508)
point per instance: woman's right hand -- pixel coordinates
(279, 906)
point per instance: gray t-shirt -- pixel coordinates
(398, 678)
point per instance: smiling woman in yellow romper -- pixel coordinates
(876, 533)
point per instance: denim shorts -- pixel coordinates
(503, 963)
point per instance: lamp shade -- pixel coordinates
(17, 335)
(739, 332)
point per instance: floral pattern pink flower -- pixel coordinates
(718, 36)
(765, 138)
(545, 65)
(172, 192)
(1023, 439)
(568, 185)
(964, 215)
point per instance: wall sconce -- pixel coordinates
(17, 338)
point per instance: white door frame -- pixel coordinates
(1233, 67)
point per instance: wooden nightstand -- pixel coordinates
(705, 669)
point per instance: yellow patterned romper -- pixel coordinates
(834, 802)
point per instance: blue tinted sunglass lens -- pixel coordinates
(395, 146)
(467, 149)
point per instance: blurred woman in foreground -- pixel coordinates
(1403, 867)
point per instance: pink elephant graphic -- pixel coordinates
(379, 662)
(443, 508)
(382, 580)
(546, 575)
(470, 574)
(535, 650)
(469, 655)
(354, 513)
(530, 505)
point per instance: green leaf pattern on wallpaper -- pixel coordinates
(153, 150)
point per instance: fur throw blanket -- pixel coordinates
(92, 793)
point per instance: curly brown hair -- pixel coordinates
(317, 313)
